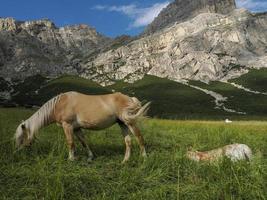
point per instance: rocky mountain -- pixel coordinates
(39, 47)
(192, 40)
(182, 10)
(210, 46)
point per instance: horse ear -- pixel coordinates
(190, 148)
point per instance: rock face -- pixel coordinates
(208, 47)
(182, 10)
(39, 47)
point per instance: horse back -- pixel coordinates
(91, 109)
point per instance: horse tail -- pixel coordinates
(134, 111)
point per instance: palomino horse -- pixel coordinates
(73, 111)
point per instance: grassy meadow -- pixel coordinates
(43, 171)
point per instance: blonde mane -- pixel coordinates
(42, 117)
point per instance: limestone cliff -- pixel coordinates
(39, 47)
(182, 10)
(208, 47)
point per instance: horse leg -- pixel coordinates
(78, 133)
(68, 130)
(127, 140)
(135, 130)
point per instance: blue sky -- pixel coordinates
(110, 17)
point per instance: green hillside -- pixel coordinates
(26, 91)
(171, 99)
(255, 79)
(237, 99)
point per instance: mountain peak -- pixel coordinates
(182, 10)
(42, 22)
(8, 24)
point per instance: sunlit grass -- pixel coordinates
(43, 171)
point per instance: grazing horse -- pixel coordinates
(74, 111)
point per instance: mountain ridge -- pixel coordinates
(207, 47)
(183, 10)
(40, 47)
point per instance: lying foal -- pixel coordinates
(233, 151)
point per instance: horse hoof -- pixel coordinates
(90, 160)
(144, 154)
(124, 161)
(72, 159)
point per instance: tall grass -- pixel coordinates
(43, 172)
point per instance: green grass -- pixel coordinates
(43, 172)
(255, 79)
(171, 99)
(72, 83)
(26, 90)
(240, 100)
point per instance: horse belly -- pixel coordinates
(97, 123)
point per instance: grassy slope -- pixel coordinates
(25, 91)
(252, 104)
(171, 99)
(71, 83)
(42, 172)
(254, 79)
(52, 88)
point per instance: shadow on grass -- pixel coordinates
(107, 149)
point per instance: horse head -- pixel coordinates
(192, 155)
(23, 135)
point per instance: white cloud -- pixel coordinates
(99, 7)
(253, 5)
(141, 16)
(149, 14)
